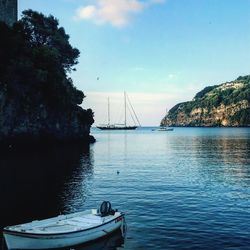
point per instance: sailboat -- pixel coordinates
(165, 127)
(123, 126)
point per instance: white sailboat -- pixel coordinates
(123, 126)
(164, 127)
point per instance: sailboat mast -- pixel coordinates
(108, 113)
(125, 109)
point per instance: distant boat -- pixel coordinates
(164, 128)
(124, 125)
(65, 230)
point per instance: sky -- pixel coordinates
(161, 52)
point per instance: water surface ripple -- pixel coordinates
(186, 189)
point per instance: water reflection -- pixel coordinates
(43, 183)
(223, 159)
(112, 242)
(78, 184)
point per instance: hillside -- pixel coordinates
(227, 104)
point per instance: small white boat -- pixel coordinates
(65, 230)
(165, 129)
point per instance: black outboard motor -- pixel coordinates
(106, 209)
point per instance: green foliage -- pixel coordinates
(43, 32)
(229, 95)
(242, 117)
(203, 92)
(188, 106)
(245, 79)
(175, 109)
(35, 59)
(212, 97)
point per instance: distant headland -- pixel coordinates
(224, 105)
(38, 101)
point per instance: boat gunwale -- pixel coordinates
(35, 235)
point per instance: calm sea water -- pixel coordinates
(186, 189)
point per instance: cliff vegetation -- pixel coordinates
(38, 100)
(227, 104)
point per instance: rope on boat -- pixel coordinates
(105, 231)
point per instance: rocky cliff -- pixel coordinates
(38, 101)
(227, 104)
(24, 119)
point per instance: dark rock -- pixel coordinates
(38, 101)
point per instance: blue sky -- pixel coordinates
(160, 52)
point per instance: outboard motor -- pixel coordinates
(106, 209)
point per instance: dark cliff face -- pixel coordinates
(227, 104)
(38, 101)
(39, 120)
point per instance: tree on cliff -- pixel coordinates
(36, 52)
(35, 61)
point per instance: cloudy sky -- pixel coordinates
(160, 51)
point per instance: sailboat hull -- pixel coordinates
(118, 128)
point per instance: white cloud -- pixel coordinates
(87, 12)
(115, 12)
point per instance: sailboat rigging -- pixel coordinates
(165, 127)
(124, 125)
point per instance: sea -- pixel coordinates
(183, 189)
